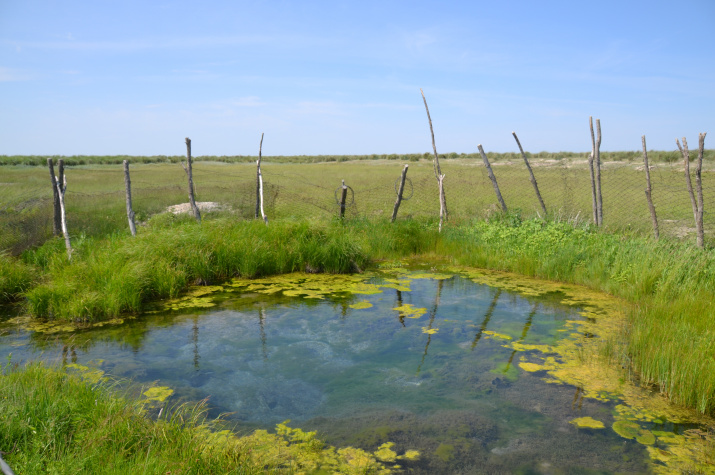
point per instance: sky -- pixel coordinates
(338, 77)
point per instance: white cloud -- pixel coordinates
(9, 74)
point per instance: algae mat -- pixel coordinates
(480, 372)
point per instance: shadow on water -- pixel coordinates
(432, 367)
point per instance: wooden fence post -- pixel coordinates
(57, 221)
(531, 174)
(130, 211)
(61, 188)
(492, 178)
(686, 166)
(189, 172)
(653, 216)
(437, 170)
(599, 197)
(342, 200)
(593, 177)
(699, 225)
(399, 194)
(259, 185)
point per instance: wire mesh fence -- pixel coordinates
(95, 196)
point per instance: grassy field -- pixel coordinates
(96, 207)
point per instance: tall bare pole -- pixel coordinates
(593, 178)
(130, 211)
(686, 166)
(599, 197)
(57, 228)
(699, 185)
(258, 179)
(189, 173)
(61, 188)
(259, 185)
(648, 196)
(531, 174)
(437, 170)
(492, 177)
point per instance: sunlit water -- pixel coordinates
(435, 376)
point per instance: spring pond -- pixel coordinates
(480, 372)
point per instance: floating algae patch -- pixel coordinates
(453, 363)
(587, 423)
(158, 393)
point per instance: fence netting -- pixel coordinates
(95, 196)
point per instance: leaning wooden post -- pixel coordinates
(342, 200)
(599, 197)
(437, 170)
(686, 165)
(492, 177)
(189, 172)
(593, 177)
(57, 228)
(61, 188)
(399, 194)
(653, 216)
(531, 174)
(130, 211)
(699, 185)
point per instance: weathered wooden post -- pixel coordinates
(653, 216)
(697, 204)
(437, 170)
(699, 184)
(342, 199)
(593, 176)
(531, 174)
(399, 194)
(57, 221)
(492, 177)
(189, 173)
(599, 197)
(130, 211)
(61, 188)
(259, 185)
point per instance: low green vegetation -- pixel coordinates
(52, 421)
(37, 160)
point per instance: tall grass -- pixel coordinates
(54, 422)
(119, 274)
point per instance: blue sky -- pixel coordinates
(103, 77)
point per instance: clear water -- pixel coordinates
(441, 383)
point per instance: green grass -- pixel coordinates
(54, 422)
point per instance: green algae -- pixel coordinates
(158, 393)
(361, 305)
(587, 423)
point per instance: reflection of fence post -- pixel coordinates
(492, 177)
(130, 211)
(343, 197)
(399, 194)
(61, 188)
(259, 185)
(653, 216)
(57, 228)
(531, 174)
(189, 172)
